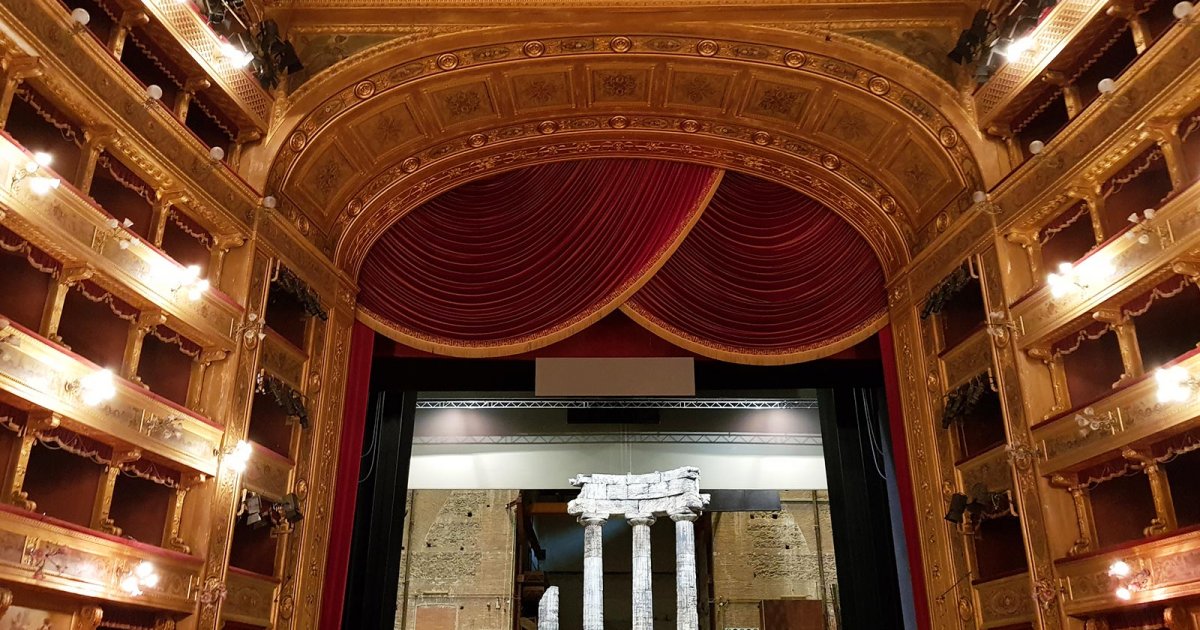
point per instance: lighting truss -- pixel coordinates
(617, 403)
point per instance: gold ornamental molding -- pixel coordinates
(1172, 563)
(37, 553)
(75, 231)
(1132, 414)
(250, 598)
(1004, 602)
(43, 374)
(268, 473)
(238, 84)
(1161, 84)
(1003, 89)
(810, 105)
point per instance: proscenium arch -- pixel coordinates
(444, 155)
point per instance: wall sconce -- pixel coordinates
(188, 279)
(1127, 582)
(1141, 229)
(1070, 278)
(251, 331)
(216, 154)
(1089, 421)
(144, 574)
(1036, 147)
(94, 388)
(1175, 384)
(1000, 327)
(80, 17)
(118, 230)
(39, 185)
(238, 456)
(269, 202)
(154, 94)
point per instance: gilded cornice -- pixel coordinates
(1164, 83)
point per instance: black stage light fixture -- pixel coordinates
(971, 40)
(958, 506)
(291, 507)
(252, 506)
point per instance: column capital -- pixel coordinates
(591, 519)
(641, 519)
(685, 516)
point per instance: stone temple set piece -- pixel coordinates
(640, 499)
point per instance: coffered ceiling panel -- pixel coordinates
(533, 91)
(469, 102)
(785, 102)
(620, 84)
(690, 87)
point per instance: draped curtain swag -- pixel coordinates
(723, 264)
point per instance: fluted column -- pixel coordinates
(643, 598)
(548, 610)
(593, 571)
(687, 616)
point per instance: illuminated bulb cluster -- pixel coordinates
(1127, 582)
(97, 387)
(1140, 231)
(143, 575)
(122, 241)
(191, 282)
(1070, 278)
(237, 57)
(1019, 47)
(1175, 384)
(40, 185)
(239, 456)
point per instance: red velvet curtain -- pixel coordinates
(345, 495)
(530, 256)
(766, 271)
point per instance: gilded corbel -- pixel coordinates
(95, 139)
(145, 322)
(1165, 133)
(1029, 241)
(1091, 196)
(1164, 507)
(6, 601)
(184, 100)
(57, 297)
(196, 381)
(88, 618)
(14, 478)
(1125, 10)
(1004, 133)
(222, 243)
(1058, 379)
(16, 69)
(160, 212)
(102, 506)
(1083, 514)
(129, 20)
(1188, 268)
(1131, 354)
(1070, 91)
(172, 535)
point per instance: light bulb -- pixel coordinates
(1149, 214)
(81, 16)
(150, 581)
(42, 158)
(979, 196)
(239, 457)
(1123, 593)
(269, 202)
(217, 154)
(154, 92)
(1019, 47)
(129, 584)
(43, 185)
(143, 569)
(1119, 568)
(1106, 86)
(1173, 384)
(197, 290)
(1036, 146)
(97, 387)
(1144, 239)
(1183, 10)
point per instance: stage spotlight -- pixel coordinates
(252, 507)
(958, 506)
(971, 40)
(291, 508)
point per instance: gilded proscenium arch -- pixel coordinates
(438, 150)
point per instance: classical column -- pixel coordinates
(643, 599)
(548, 610)
(687, 616)
(593, 571)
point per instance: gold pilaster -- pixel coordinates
(1004, 133)
(1032, 246)
(95, 140)
(173, 534)
(1070, 91)
(1124, 9)
(243, 138)
(1131, 354)
(1058, 379)
(1166, 133)
(195, 400)
(184, 100)
(56, 297)
(145, 322)
(14, 477)
(120, 33)
(102, 506)
(160, 213)
(88, 618)
(1164, 507)
(1083, 514)
(14, 70)
(222, 243)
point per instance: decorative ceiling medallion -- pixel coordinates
(548, 126)
(794, 59)
(297, 141)
(411, 164)
(942, 222)
(761, 138)
(477, 140)
(888, 203)
(618, 122)
(948, 137)
(534, 48)
(448, 61)
(690, 126)
(831, 161)
(620, 44)
(364, 89)
(355, 207)
(707, 47)
(879, 85)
